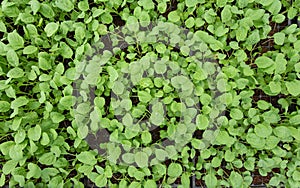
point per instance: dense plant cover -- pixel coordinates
(125, 93)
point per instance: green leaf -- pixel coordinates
(4, 106)
(191, 3)
(67, 101)
(113, 74)
(15, 40)
(236, 114)
(174, 170)
(87, 157)
(2, 27)
(190, 22)
(51, 28)
(65, 5)
(9, 166)
(173, 16)
(127, 120)
(20, 136)
(57, 117)
(12, 58)
(35, 6)
(146, 137)
(202, 122)
(128, 158)
(161, 154)
(15, 73)
(34, 133)
(132, 24)
(296, 175)
(293, 87)
(255, 141)
(47, 159)
(236, 180)
(263, 130)
(34, 171)
(160, 48)
(2, 180)
(44, 62)
(65, 50)
(83, 5)
(82, 131)
(141, 159)
(147, 4)
(264, 62)
(210, 180)
(279, 38)
(45, 139)
(144, 96)
(101, 180)
(118, 88)
(106, 18)
(30, 50)
(229, 156)
(275, 7)
(226, 14)
(295, 120)
(46, 10)
(18, 102)
(150, 184)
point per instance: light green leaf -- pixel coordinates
(34, 171)
(18, 102)
(173, 16)
(65, 5)
(83, 5)
(293, 87)
(236, 114)
(20, 136)
(65, 50)
(34, 133)
(118, 88)
(51, 28)
(12, 58)
(236, 180)
(202, 122)
(262, 130)
(57, 117)
(174, 170)
(279, 38)
(264, 62)
(47, 159)
(45, 139)
(141, 159)
(2, 180)
(46, 10)
(127, 120)
(113, 74)
(144, 96)
(161, 154)
(15, 40)
(30, 50)
(226, 14)
(101, 180)
(146, 137)
(191, 3)
(87, 157)
(295, 120)
(4, 106)
(15, 73)
(210, 180)
(150, 184)
(9, 166)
